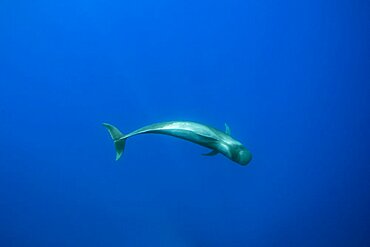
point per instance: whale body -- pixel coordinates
(216, 140)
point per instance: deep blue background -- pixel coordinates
(291, 78)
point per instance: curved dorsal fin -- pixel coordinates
(227, 129)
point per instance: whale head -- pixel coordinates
(241, 155)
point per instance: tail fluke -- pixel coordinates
(119, 142)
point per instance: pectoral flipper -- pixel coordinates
(212, 153)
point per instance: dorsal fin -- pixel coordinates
(227, 129)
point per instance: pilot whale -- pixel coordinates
(216, 140)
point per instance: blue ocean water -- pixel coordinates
(291, 79)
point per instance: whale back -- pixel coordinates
(179, 129)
